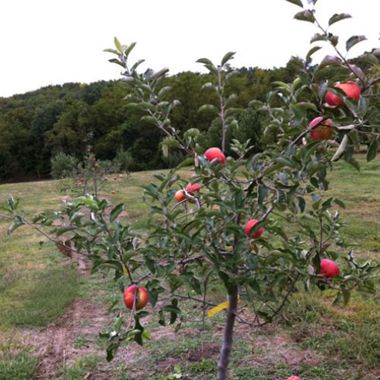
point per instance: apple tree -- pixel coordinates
(261, 226)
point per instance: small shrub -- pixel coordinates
(124, 160)
(63, 166)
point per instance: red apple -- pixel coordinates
(323, 131)
(215, 154)
(294, 378)
(351, 90)
(248, 227)
(329, 268)
(141, 295)
(180, 196)
(192, 188)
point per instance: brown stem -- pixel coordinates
(226, 348)
(343, 58)
(222, 110)
(204, 300)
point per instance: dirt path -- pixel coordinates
(56, 345)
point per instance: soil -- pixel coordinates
(57, 347)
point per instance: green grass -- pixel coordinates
(79, 369)
(16, 362)
(360, 192)
(39, 298)
(37, 283)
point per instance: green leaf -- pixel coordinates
(164, 91)
(129, 49)
(111, 350)
(330, 60)
(340, 203)
(318, 37)
(342, 147)
(372, 150)
(228, 56)
(208, 108)
(352, 41)
(160, 73)
(113, 51)
(284, 161)
(118, 45)
(306, 15)
(116, 211)
(338, 17)
(345, 127)
(296, 2)
(281, 84)
(314, 181)
(14, 226)
(205, 61)
(12, 204)
(136, 64)
(185, 163)
(91, 203)
(301, 204)
(117, 61)
(312, 51)
(307, 106)
(149, 119)
(333, 39)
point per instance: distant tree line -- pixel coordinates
(37, 126)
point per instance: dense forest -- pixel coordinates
(38, 125)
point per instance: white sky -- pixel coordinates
(47, 42)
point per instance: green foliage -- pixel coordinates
(37, 125)
(63, 166)
(202, 241)
(79, 369)
(17, 364)
(123, 160)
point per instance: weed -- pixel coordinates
(80, 368)
(16, 362)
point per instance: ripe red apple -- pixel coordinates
(294, 378)
(141, 295)
(351, 89)
(180, 196)
(215, 153)
(323, 131)
(248, 227)
(192, 188)
(329, 268)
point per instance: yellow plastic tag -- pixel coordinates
(218, 308)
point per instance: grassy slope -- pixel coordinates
(36, 284)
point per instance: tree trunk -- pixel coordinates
(225, 350)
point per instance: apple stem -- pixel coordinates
(225, 350)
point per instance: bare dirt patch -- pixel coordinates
(271, 345)
(55, 346)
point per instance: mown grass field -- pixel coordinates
(319, 342)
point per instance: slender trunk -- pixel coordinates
(225, 350)
(222, 106)
(204, 299)
(224, 127)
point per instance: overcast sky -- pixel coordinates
(47, 42)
